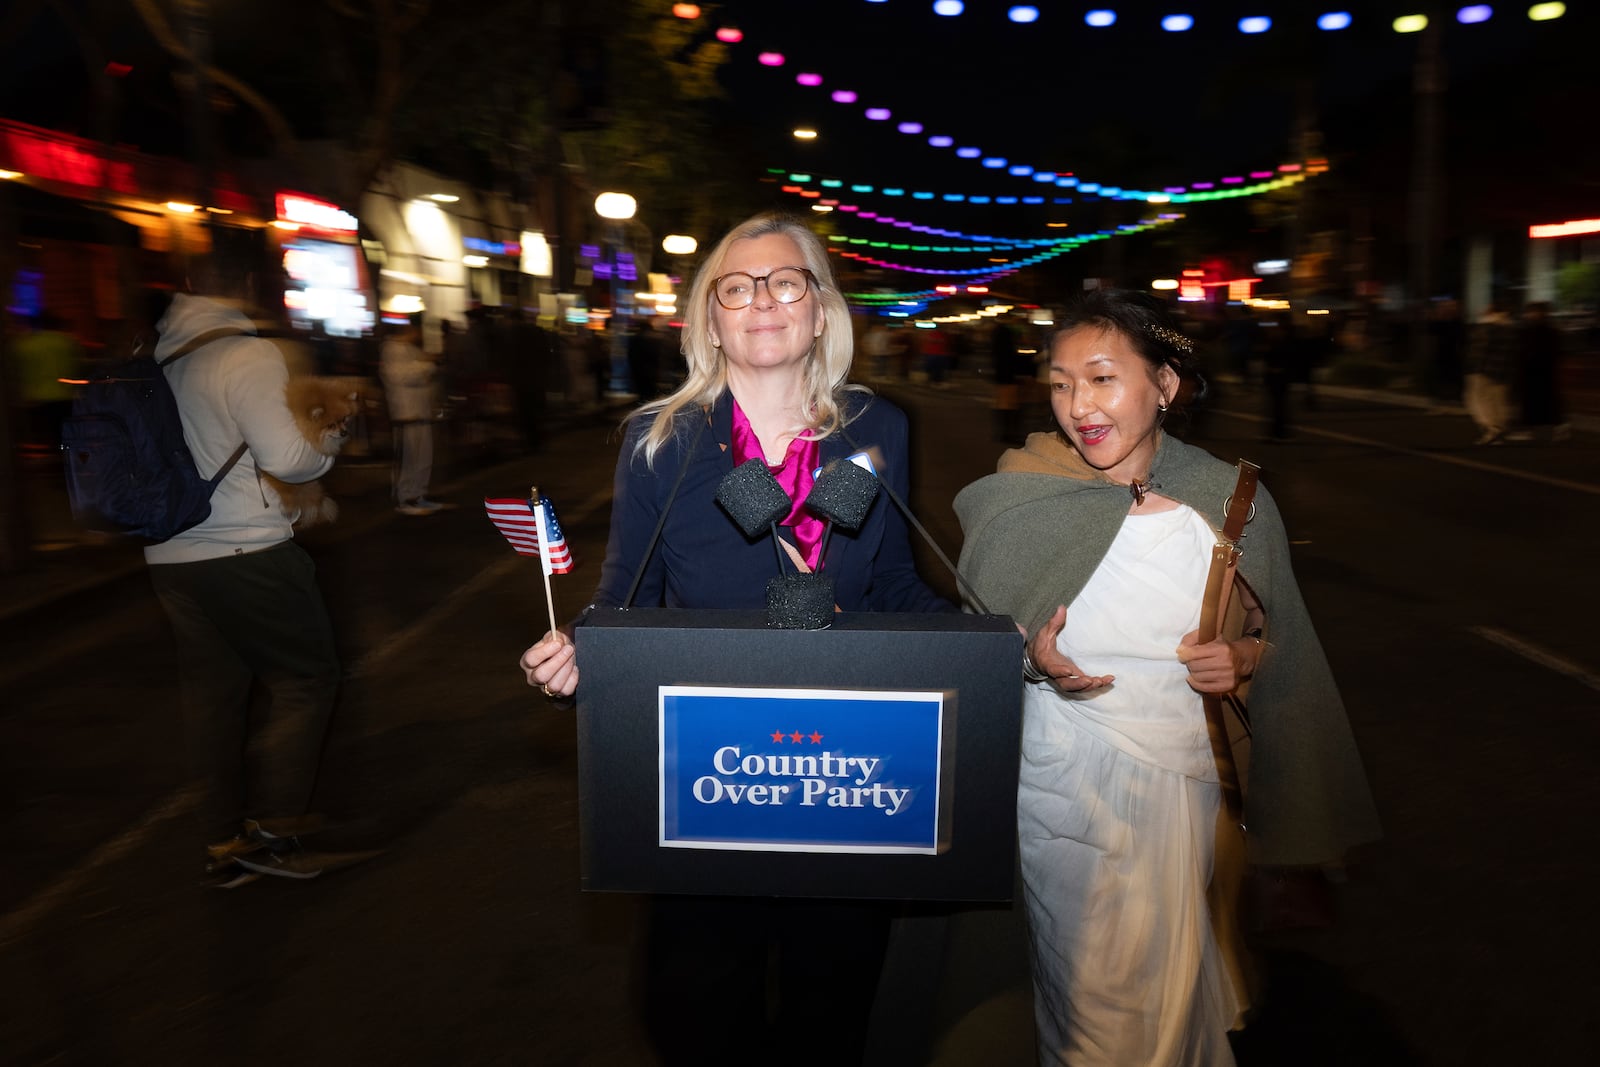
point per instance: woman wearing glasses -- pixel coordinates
(768, 343)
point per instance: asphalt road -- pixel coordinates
(1449, 584)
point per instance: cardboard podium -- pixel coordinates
(873, 759)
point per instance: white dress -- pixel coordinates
(1117, 816)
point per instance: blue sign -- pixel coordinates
(800, 770)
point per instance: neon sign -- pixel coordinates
(314, 214)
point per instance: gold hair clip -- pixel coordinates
(1170, 337)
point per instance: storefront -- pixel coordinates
(325, 273)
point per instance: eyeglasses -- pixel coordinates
(786, 285)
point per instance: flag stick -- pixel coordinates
(544, 556)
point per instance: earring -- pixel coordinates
(1161, 408)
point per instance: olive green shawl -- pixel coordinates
(1036, 530)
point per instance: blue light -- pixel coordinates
(977, 199)
(1005, 200)
(969, 153)
(994, 162)
(1334, 20)
(1089, 187)
(1067, 182)
(1255, 24)
(1110, 190)
(940, 140)
(1033, 200)
(894, 192)
(922, 196)
(1023, 13)
(1021, 170)
(1177, 23)
(1044, 176)
(1474, 13)
(1100, 17)
(948, 7)
(954, 198)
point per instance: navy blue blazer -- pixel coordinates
(704, 560)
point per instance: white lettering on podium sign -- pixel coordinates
(800, 770)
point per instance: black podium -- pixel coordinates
(897, 781)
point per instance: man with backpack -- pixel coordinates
(241, 596)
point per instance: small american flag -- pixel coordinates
(527, 524)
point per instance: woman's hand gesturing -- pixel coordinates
(1065, 675)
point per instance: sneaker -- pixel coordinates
(433, 505)
(416, 507)
(222, 872)
(282, 857)
(228, 876)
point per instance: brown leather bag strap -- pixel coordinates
(1237, 511)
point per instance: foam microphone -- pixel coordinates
(841, 495)
(754, 500)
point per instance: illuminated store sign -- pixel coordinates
(314, 214)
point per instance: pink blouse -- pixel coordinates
(794, 474)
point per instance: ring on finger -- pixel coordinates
(547, 690)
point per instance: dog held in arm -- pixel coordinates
(322, 409)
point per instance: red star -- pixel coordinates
(777, 735)
(816, 738)
(796, 736)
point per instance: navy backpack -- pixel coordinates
(128, 467)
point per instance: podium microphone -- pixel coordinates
(754, 500)
(841, 495)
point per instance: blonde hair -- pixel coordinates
(826, 367)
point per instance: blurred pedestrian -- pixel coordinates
(241, 596)
(48, 360)
(737, 980)
(1491, 358)
(1538, 374)
(1098, 537)
(408, 381)
(644, 361)
(1013, 372)
(1281, 359)
(1447, 336)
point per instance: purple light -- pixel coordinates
(878, 114)
(770, 59)
(994, 162)
(589, 251)
(808, 79)
(1205, 185)
(910, 127)
(1232, 181)
(844, 96)
(1173, 189)
(1474, 13)
(969, 153)
(939, 140)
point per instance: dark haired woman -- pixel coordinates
(1119, 797)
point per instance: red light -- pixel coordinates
(118, 70)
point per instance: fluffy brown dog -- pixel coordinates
(322, 409)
